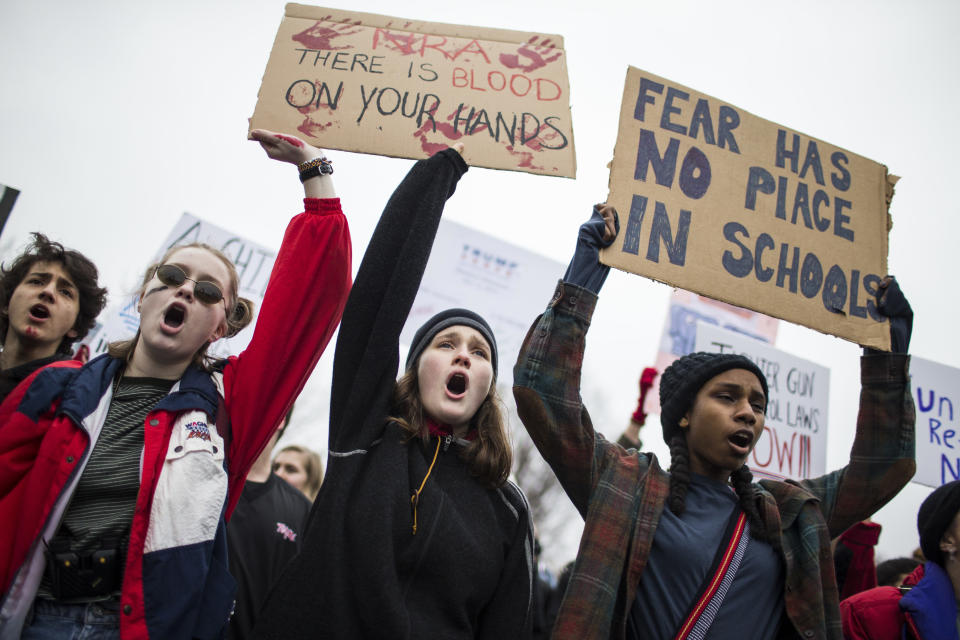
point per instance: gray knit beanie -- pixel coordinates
(449, 318)
(681, 381)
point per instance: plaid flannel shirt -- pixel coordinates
(621, 493)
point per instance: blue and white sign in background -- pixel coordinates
(936, 394)
(508, 285)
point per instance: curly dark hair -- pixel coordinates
(82, 271)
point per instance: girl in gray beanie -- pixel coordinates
(416, 531)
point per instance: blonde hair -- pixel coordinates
(239, 316)
(488, 457)
(312, 466)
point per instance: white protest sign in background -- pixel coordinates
(687, 310)
(794, 440)
(253, 262)
(936, 393)
(507, 285)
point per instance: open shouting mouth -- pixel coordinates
(741, 440)
(457, 385)
(39, 312)
(174, 316)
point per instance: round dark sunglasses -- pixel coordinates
(206, 292)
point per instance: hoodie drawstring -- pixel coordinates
(415, 498)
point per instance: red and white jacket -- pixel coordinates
(199, 443)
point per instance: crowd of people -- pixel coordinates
(140, 497)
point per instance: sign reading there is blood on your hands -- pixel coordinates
(395, 87)
(715, 200)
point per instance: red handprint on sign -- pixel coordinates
(319, 36)
(448, 131)
(535, 55)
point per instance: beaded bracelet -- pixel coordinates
(314, 168)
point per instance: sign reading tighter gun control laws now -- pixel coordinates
(396, 87)
(715, 200)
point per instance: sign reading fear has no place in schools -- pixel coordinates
(717, 201)
(396, 87)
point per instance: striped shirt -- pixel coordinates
(102, 507)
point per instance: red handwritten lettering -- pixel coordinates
(523, 91)
(519, 84)
(467, 49)
(406, 44)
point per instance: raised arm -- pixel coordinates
(366, 359)
(882, 457)
(547, 374)
(302, 306)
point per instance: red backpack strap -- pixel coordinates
(725, 565)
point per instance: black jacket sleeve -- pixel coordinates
(366, 357)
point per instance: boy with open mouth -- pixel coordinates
(50, 300)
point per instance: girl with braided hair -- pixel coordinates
(702, 551)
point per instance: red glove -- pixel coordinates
(646, 383)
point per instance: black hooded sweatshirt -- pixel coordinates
(362, 573)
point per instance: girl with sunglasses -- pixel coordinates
(416, 531)
(116, 478)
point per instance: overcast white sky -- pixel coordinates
(117, 116)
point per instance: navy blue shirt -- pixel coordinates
(682, 554)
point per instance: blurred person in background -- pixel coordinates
(925, 606)
(301, 467)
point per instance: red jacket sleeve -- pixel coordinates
(302, 306)
(872, 615)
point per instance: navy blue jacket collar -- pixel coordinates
(81, 396)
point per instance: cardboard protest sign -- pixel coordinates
(936, 392)
(794, 440)
(395, 87)
(507, 285)
(253, 262)
(8, 197)
(685, 313)
(718, 201)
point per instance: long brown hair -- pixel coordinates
(240, 315)
(488, 457)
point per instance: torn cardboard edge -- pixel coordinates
(376, 20)
(878, 343)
